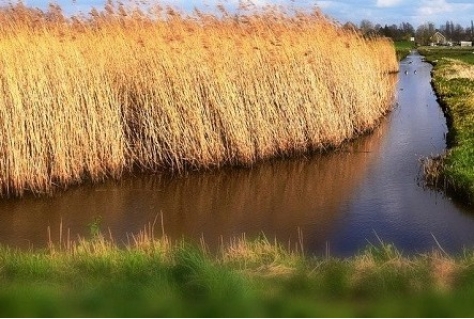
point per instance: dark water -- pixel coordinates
(340, 201)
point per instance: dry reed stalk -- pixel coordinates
(122, 90)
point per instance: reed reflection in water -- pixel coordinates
(275, 198)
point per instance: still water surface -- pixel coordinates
(340, 201)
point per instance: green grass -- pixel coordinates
(453, 78)
(464, 54)
(403, 49)
(246, 279)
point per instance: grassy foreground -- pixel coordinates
(244, 279)
(453, 77)
(92, 96)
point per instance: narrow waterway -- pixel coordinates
(389, 202)
(340, 201)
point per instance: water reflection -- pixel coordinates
(276, 197)
(345, 199)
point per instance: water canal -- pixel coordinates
(340, 201)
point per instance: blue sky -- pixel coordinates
(395, 11)
(378, 11)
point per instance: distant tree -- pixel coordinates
(366, 26)
(424, 32)
(458, 33)
(385, 31)
(471, 34)
(447, 30)
(406, 31)
(390, 31)
(350, 26)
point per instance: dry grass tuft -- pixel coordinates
(444, 271)
(261, 255)
(90, 97)
(457, 70)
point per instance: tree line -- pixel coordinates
(453, 32)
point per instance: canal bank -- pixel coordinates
(334, 203)
(453, 80)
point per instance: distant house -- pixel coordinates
(438, 39)
(465, 43)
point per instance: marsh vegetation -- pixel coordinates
(122, 90)
(453, 78)
(155, 277)
(119, 90)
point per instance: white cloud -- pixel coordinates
(325, 4)
(434, 7)
(387, 3)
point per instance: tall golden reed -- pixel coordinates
(118, 90)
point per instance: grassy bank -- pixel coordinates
(117, 90)
(403, 49)
(453, 77)
(245, 278)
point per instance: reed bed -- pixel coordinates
(94, 96)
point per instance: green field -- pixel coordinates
(453, 78)
(464, 54)
(403, 48)
(244, 279)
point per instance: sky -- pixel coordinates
(389, 12)
(383, 12)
